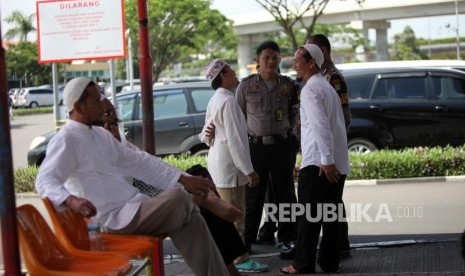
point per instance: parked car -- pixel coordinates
(36, 96)
(405, 107)
(14, 95)
(179, 111)
(442, 63)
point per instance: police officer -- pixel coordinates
(332, 74)
(335, 78)
(268, 101)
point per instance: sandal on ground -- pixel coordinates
(288, 270)
(251, 266)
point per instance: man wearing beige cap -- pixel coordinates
(324, 166)
(85, 168)
(229, 161)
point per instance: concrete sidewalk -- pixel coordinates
(420, 254)
(427, 258)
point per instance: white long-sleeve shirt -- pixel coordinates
(91, 163)
(229, 156)
(324, 138)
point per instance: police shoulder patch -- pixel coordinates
(248, 77)
(289, 79)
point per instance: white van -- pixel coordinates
(34, 97)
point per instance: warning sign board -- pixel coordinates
(80, 29)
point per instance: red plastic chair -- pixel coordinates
(71, 230)
(44, 255)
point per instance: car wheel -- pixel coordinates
(33, 105)
(361, 146)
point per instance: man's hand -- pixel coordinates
(113, 128)
(196, 185)
(210, 132)
(254, 180)
(331, 172)
(81, 206)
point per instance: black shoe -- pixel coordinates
(265, 241)
(288, 254)
(344, 254)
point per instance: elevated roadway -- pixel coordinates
(373, 14)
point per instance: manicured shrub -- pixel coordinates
(183, 162)
(32, 111)
(383, 164)
(24, 179)
(413, 162)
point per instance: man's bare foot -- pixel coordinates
(219, 207)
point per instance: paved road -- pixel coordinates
(420, 208)
(23, 130)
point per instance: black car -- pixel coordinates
(179, 111)
(405, 107)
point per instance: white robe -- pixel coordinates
(91, 163)
(229, 155)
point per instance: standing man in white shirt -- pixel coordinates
(229, 161)
(337, 81)
(85, 169)
(324, 167)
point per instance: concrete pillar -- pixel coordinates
(381, 27)
(382, 45)
(244, 54)
(360, 51)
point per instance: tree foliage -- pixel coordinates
(22, 62)
(405, 46)
(23, 25)
(289, 14)
(179, 30)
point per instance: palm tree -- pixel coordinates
(23, 25)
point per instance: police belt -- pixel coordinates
(267, 140)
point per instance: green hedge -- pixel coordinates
(383, 164)
(32, 111)
(25, 178)
(415, 162)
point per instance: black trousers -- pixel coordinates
(314, 191)
(266, 232)
(275, 166)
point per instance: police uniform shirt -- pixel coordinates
(337, 81)
(268, 112)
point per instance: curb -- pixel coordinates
(433, 179)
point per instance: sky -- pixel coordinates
(427, 27)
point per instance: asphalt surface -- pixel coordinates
(403, 257)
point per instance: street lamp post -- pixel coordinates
(457, 28)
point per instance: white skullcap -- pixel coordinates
(213, 68)
(316, 53)
(73, 91)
